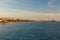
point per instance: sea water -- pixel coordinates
(30, 31)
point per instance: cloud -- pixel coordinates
(28, 14)
(51, 3)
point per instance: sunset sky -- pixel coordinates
(30, 9)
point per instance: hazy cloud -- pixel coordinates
(51, 3)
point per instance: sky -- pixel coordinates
(30, 9)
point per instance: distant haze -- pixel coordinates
(31, 9)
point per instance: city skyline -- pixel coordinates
(30, 9)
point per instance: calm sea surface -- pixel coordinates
(30, 31)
